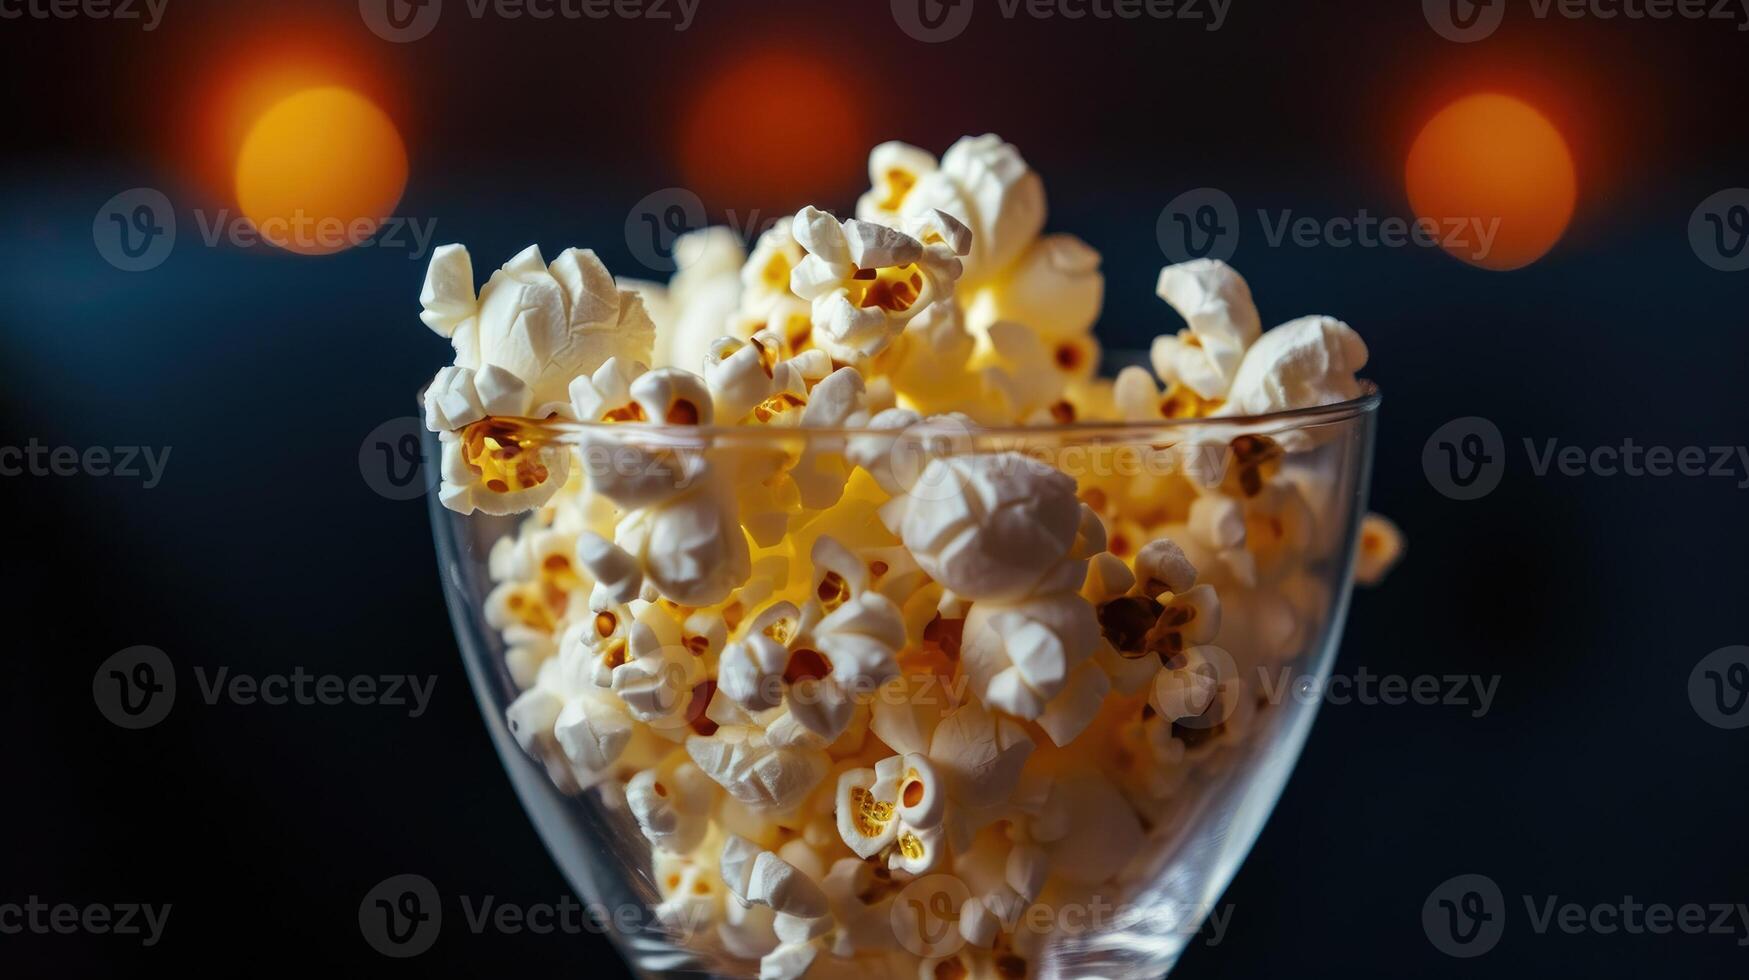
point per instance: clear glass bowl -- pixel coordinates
(1234, 770)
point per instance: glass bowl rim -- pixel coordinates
(1101, 430)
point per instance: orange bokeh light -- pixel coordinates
(774, 131)
(319, 170)
(1498, 169)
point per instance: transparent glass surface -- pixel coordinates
(1216, 798)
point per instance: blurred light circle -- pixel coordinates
(320, 170)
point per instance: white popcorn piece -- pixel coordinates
(531, 717)
(447, 298)
(1187, 690)
(690, 548)
(594, 730)
(1216, 303)
(746, 930)
(755, 772)
(1055, 289)
(788, 962)
(616, 572)
(979, 755)
(660, 803)
(766, 275)
(866, 280)
(673, 397)
(1019, 656)
(1068, 714)
(692, 895)
(498, 467)
(1107, 834)
(996, 525)
(606, 395)
(759, 877)
(1018, 372)
(1378, 549)
(861, 910)
(894, 170)
(451, 401)
(703, 295)
(1161, 566)
(538, 326)
(1028, 866)
(1303, 363)
(657, 680)
(1003, 197)
(839, 401)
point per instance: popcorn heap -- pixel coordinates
(823, 668)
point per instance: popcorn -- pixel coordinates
(1019, 656)
(867, 280)
(1378, 550)
(1002, 523)
(755, 772)
(1216, 304)
(1303, 363)
(812, 665)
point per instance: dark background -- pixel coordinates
(1591, 598)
